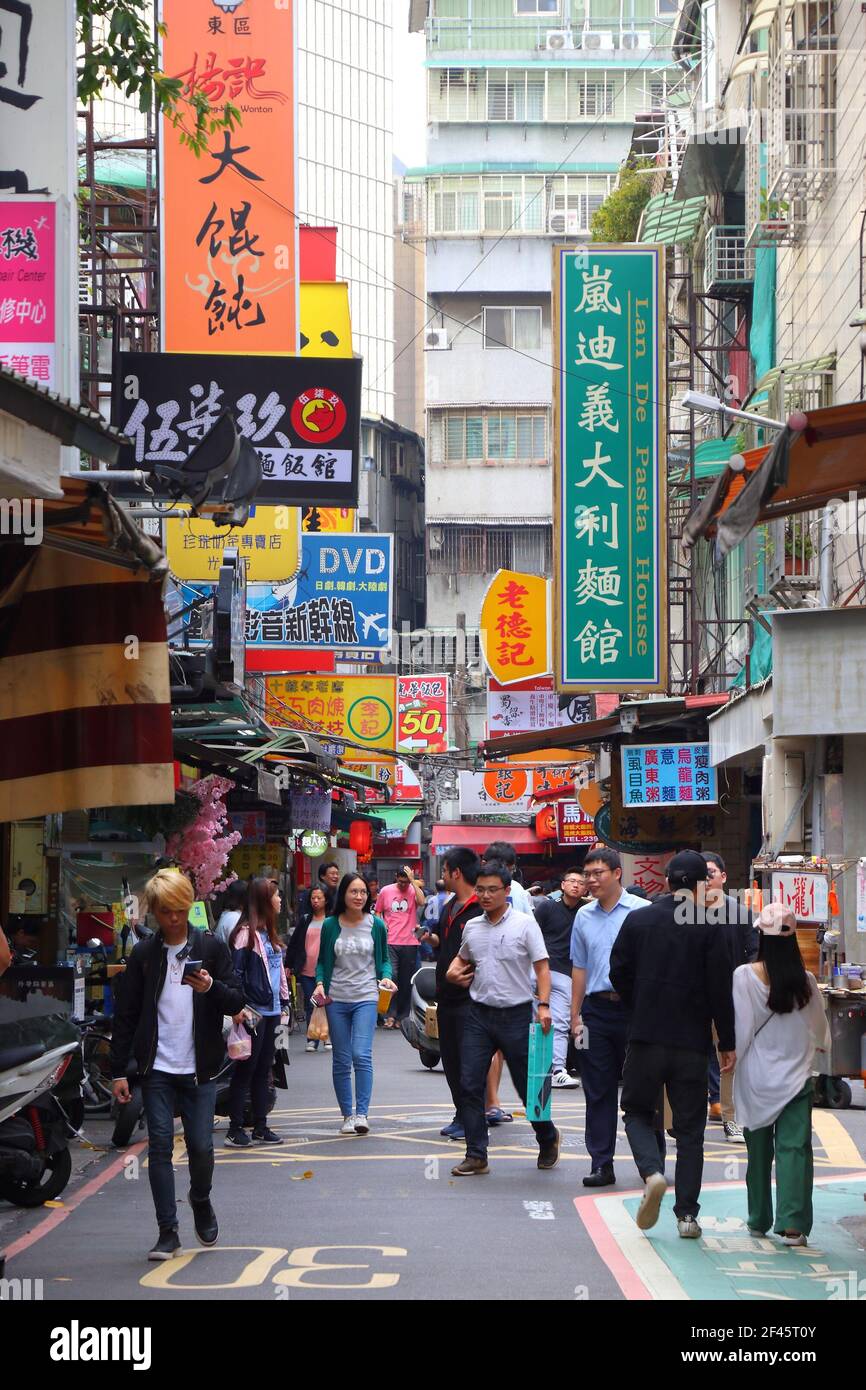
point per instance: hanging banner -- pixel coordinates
(400, 779)
(227, 217)
(806, 894)
(530, 706)
(357, 708)
(302, 415)
(507, 790)
(514, 627)
(610, 591)
(341, 600)
(422, 714)
(270, 542)
(311, 808)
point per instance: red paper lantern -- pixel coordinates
(361, 839)
(545, 823)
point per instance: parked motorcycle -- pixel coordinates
(417, 1025)
(35, 1163)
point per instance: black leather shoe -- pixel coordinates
(600, 1177)
(167, 1246)
(548, 1156)
(206, 1228)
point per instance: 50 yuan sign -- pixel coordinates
(609, 390)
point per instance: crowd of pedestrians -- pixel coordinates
(693, 1008)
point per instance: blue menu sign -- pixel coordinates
(668, 774)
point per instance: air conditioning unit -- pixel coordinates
(436, 339)
(566, 223)
(597, 38)
(636, 38)
(558, 39)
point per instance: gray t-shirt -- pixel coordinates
(353, 980)
(503, 956)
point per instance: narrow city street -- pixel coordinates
(327, 1217)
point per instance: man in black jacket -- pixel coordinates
(170, 1020)
(736, 921)
(673, 971)
(460, 870)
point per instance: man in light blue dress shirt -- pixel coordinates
(597, 1007)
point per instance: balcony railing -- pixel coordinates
(729, 264)
(599, 39)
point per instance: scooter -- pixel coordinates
(415, 1026)
(35, 1163)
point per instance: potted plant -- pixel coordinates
(799, 549)
(773, 214)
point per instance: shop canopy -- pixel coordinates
(801, 471)
(479, 835)
(631, 715)
(671, 223)
(397, 819)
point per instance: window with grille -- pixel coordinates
(512, 328)
(498, 436)
(536, 6)
(596, 99)
(486, 549)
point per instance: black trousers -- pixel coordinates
(648, 1067)
(404, 963)
(452, 1022)
(600, 1070)
(488, 1031)
(252, 1076)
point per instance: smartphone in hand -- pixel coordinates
(191, 967)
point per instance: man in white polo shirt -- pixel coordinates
(499, 952)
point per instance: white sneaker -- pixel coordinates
(361, 1126)
(689, 1228)
(564, 1080)
(793, 1240)
(311, 1047)
(655, 1188)
(733, 1133)
(328, 1046)
(348, 1125)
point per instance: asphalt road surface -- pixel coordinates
(328, 1217)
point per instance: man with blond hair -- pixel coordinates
(168, 1018)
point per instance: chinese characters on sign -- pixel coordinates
(506, 791)
(609, 385)
(573, 825)
(668, 774)
(359, 709)
(229, 230)
(514, 627)
(530, 706)
(270, 542)
(27, 289)
(422, 713)
(807, 895)
(250, 825)
(306, 432)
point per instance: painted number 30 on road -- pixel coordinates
(308, 1267)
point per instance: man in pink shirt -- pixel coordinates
(399, 904)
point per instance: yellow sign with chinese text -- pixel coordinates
(515, 627)
(357, 709)
(270, 542)
(328, 519)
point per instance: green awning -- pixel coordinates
(711, 455)
(671, 223)
(126, 169)
(397, 818)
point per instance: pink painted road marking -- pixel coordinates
(607, 1247)
(60, 1214)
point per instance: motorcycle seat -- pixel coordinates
(13, 1057)
(425, 984)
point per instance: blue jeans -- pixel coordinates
(162, 1092)
(352, 1027)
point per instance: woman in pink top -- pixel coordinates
(303, 952)
(399, 905)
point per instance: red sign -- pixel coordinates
(422, 714)
(27, 288)
(573, 825)
(319, 415)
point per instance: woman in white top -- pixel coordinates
(780, 1022)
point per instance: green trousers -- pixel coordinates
(790, 1139)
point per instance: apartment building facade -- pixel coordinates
(531, 105)
(774, 146)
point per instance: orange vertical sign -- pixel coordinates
(229, 235)
(514, 627)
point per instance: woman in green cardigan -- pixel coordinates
(353, 966)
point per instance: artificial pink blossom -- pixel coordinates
(203, 848)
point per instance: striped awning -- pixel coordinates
(85, 712)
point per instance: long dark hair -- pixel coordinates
(260, 914)
(786, 971)
(340, 900)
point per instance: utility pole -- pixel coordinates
(461, 724)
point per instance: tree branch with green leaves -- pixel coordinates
(117, 47)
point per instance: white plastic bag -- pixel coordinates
(240, 1044)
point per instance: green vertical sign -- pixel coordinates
(610, 599)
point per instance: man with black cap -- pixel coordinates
(674, 971)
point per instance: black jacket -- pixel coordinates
(135, 1030)
(450, 933)
(676, 979)
(296, 951)
(737, 923)
(556, 920)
